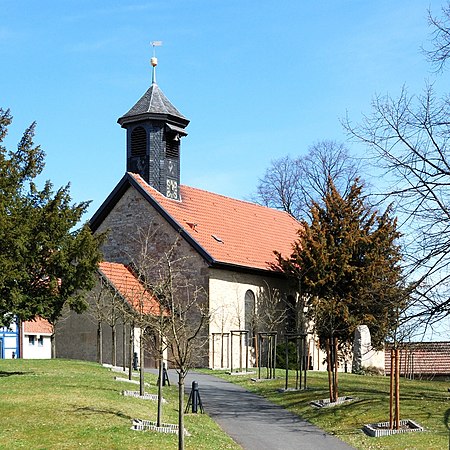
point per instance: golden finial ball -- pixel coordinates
(154, 61)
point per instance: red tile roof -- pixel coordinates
(427, 358)
(231, 231)
(37, 326)
(129, 287)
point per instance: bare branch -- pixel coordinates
(291, 184)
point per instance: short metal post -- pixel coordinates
(194, 401)
(165, 376)
(194, 396)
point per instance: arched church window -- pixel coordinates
(250, 312)
(138, 142)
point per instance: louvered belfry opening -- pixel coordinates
(138, 142)
(172, 146)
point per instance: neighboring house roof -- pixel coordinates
(430, 358)
(122, 279)
(224, 230)
(37, 326)
(152, 102)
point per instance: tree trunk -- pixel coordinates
(336, 365)
(255, 337)
(130, 358)
(397, 388)
(141, 363)
(113, 345)
(160, 385)
(99, 342)
(53, 344)
(181, 375)
(124, 346)
(329, 369)
(391, 392)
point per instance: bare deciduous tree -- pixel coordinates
(411, 135)
(98, 304)
(183, 310)
(290, 184)
(440, 38)
(271, 309)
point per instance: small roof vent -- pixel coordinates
(217, 238)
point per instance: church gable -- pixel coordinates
(225, 232)
(134, 225)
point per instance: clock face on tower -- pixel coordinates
(172, 189)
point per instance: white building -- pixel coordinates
(28, 339)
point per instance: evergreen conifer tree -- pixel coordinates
(347, 264)
(45, 263)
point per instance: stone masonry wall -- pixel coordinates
(134, 225)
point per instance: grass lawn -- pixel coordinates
(425, 402)
(62, 404)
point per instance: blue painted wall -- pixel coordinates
(9, 341)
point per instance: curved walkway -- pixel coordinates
(255, 423)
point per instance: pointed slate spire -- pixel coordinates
(152, 103)
(154, 130)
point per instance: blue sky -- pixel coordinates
(257, 79)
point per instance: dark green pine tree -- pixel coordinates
(347, 264)
(45, 263)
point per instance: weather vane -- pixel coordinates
(154, 59)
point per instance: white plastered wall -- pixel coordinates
(36, 350)
(227, 292)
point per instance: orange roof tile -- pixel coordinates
(231, 231)
(129, 287)
(37, 326)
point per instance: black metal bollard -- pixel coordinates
(165, 376)
(195, 395)
(194, 400)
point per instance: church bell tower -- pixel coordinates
(154, 131)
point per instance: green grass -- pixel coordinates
(426, 402)
(63, 404)
(60, 404)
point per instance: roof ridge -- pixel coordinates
(219, 195)
(152, 93)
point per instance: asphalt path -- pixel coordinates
(255, 423)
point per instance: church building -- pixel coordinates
(229, 243)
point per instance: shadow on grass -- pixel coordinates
(447, 419)
(83, 386)
(9, 374)
(90, 409)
